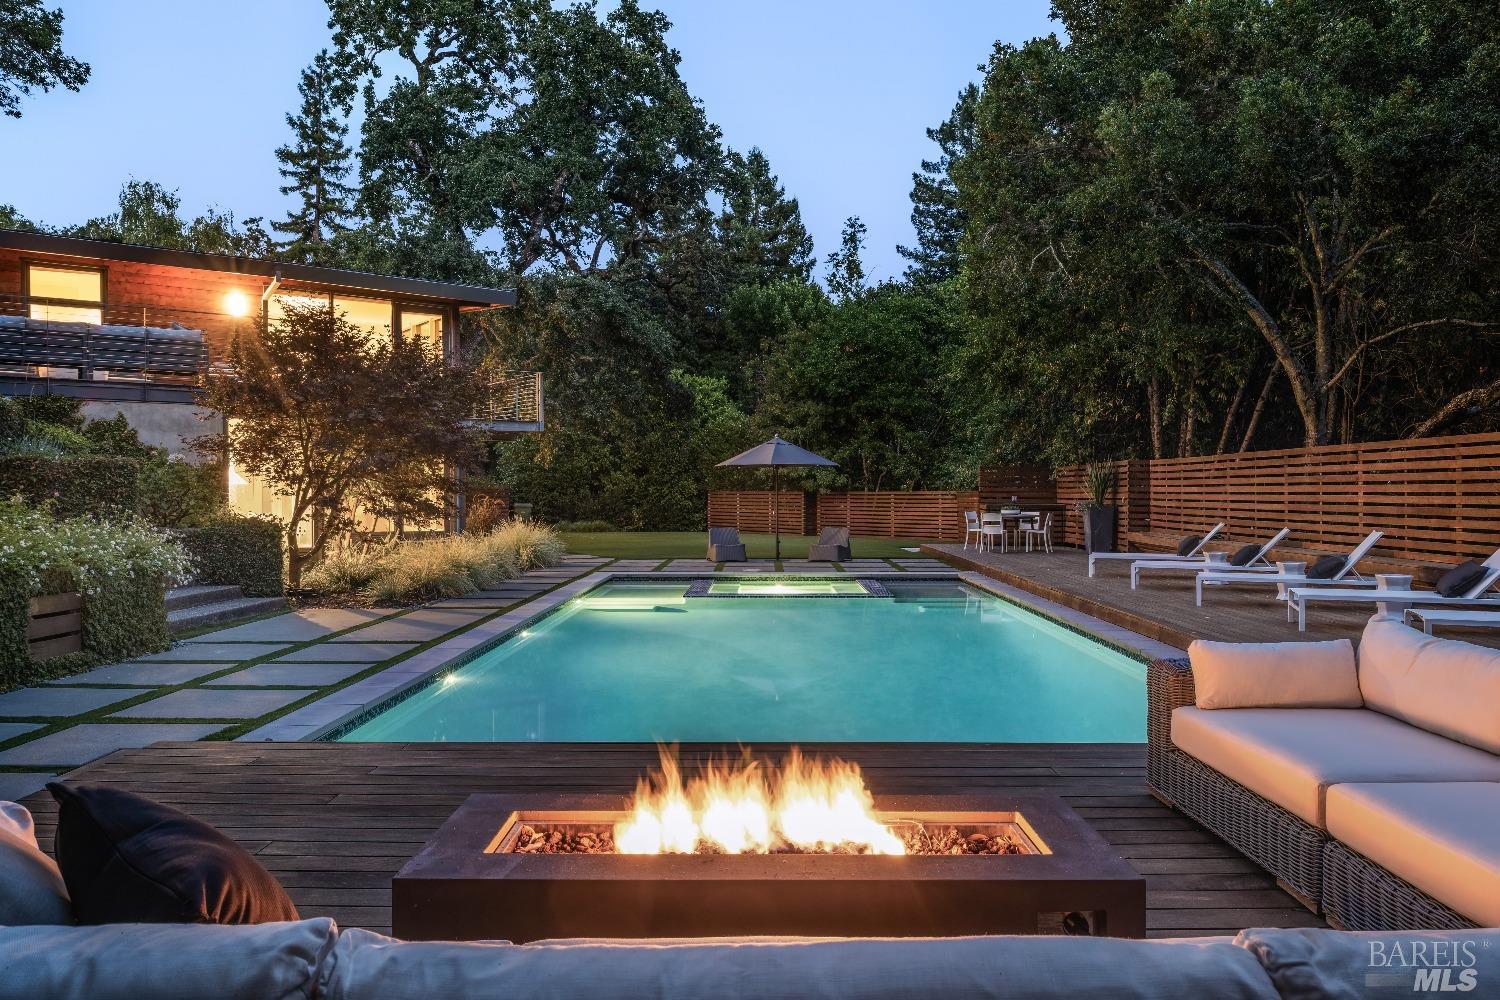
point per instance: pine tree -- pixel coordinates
(935, 213)
(315, 165)
(761, 226)
(846, 271)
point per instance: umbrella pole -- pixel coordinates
(776, 507)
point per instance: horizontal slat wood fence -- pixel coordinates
(1436, 499)
(750, 510)
(936, 514)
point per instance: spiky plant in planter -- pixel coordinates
(1098, 513)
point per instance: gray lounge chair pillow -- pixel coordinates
(1459, 579)
(1188, 544)
(1244, 554)
(1325, 567)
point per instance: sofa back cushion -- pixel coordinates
(31, 887)
(1315, 964)
(1445, 686)
(367, 966)
(165, 961)
(1275, 674)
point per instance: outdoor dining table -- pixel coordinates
(1001, 517)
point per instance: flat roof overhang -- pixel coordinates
(471, 296)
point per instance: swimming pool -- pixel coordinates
(638, 661)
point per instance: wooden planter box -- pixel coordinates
(55, 626)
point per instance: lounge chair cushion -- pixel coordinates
(367, 966)
(1188, 544)
(1446, 686)
(1459, 579)
(1439, 836)
(1315, 963)
(127, 859)
(1244, 554)
(1275, 674)
(1325, 567)
(277, 961)
(31, 887)
(1292, 756)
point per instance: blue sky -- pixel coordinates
(192, 94)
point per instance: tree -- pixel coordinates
(315, 165)
(328, 416)
(846, 271)
(760, 227)
(31, 55)
(150, 215)
(936, 214)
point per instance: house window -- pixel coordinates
(423, 327)
(373, 316)
(66, 294)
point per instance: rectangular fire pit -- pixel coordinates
(469, 882)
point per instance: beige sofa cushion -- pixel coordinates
(277, 961)
(1292, 755)
(31, 887)
(1445, 686)
(1443, 838)
(1275, 674)
(367, 966)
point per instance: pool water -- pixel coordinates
(635, 662)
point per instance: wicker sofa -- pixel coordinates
(1369, 787)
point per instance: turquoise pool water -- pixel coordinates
(936, 662)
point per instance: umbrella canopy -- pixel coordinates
(775, 455)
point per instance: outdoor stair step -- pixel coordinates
(179, 598)
(222, 612)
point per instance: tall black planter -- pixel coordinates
(1099, 529)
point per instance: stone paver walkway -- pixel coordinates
(230, 681)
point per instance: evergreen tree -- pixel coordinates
(315, 165)
(846, 271)
(935, 212)
(761, 227)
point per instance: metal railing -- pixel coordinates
(512, 398)
(131, 342)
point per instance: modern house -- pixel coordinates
(134, 329)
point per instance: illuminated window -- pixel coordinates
(66, 294)
(423, 327)
(371, 315)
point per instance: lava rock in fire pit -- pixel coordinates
(564, 840)
(951, 840)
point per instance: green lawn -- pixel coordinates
(694, 544)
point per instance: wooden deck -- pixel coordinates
(334, 822)
(1162, 607)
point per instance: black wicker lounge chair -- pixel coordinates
(724, 545)
(833, 546)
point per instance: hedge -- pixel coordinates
(77, 485)
(237, 551)
(120, 621)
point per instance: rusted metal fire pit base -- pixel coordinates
(465, 884)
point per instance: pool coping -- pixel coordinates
(349, 707)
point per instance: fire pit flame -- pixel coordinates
(809, 805)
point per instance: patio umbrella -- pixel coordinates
(777, 454)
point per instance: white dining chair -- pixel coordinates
(1039, 530)
(971, 527)
(992, 526)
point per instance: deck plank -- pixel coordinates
(334, 821)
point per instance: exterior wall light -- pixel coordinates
(237, 304)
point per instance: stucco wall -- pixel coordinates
(165, 425)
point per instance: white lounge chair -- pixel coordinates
(1193, 555)
(1256, 562)
(1431, 618)
(1347, 574)
(1477, 593)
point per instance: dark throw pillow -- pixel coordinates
(1244, 554)
(1325, 567)
(126, 859)
(1188, 544)
(1459, 579)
